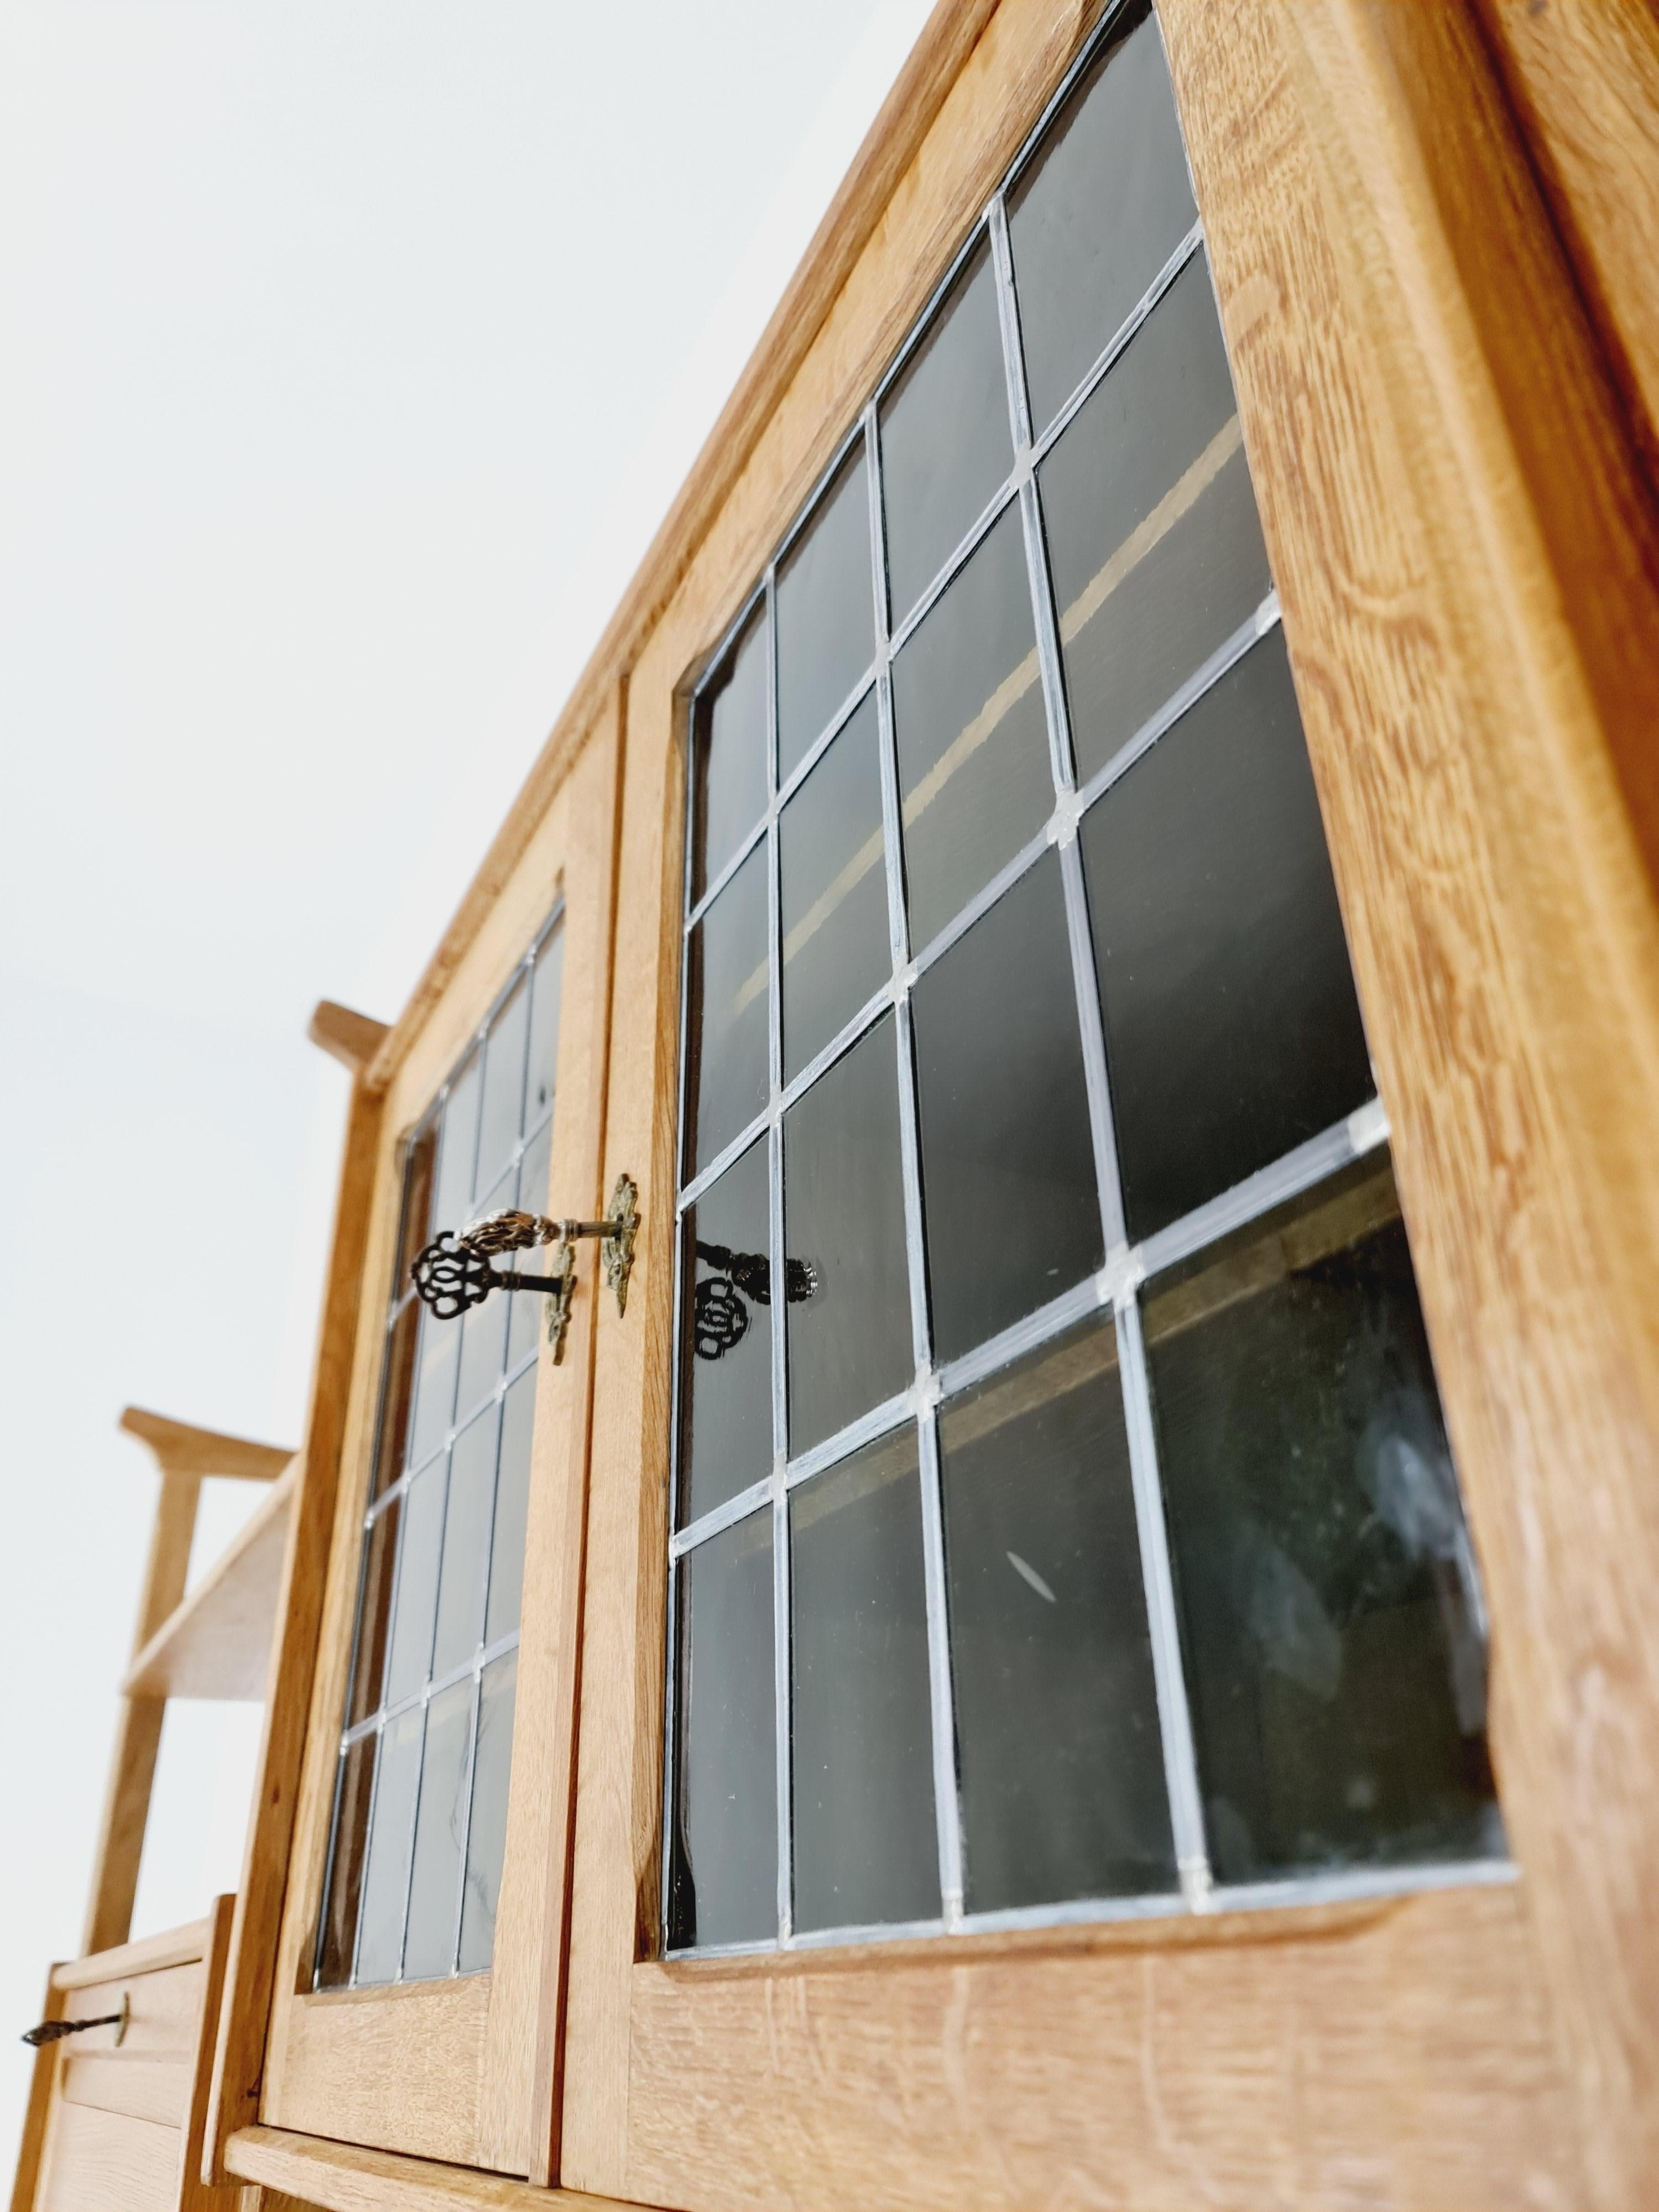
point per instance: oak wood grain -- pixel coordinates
(391, 2069)
(1584, 75)
(343, 2177)
(169, 1946)
(109, 2162)
(518, 2124)
(43, 2074)
(1463, 546)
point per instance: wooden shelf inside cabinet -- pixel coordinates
(216, 1643)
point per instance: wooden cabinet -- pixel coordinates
(1440, 401)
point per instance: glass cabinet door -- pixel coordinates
(422, 1947)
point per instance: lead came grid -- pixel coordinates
(420, 1797)
(1157, 1231)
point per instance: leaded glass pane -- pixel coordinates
(1120, 1558)
(443, 1561)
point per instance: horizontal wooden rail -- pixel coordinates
(344, 2178)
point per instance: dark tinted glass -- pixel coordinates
(975, 781)
(1330, 1612)
(836, 949)
(1098, 212)
(502, 1113)
(723, 1874)
(1057, 1731)
(946, 443)
(865, 1846)
(1153, 541)
(726, 1343)
(546, 982)
(417, 1584)
(727, 1081)
(850, 1341)
(356, 1778)
(1232, 1031)
(1007, 1161)
(512, 1505)
(486, 1839)
(386, 1876)
(728, 766)
(435, 1885)
(467, 1541)
(373, 1613)
(826, 613)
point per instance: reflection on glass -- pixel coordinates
(386, 1875)
(356, 1782)
(1232, 1031)
(836, 950)
(728, 758)
(546, 989)
(850, 1341)
(1007, 1157)
(440, 1836)
(726, 1346)
(866, 1845)
(373, 1613)
(417, 1583)
(945, 441)
(503, 1110)
(486, 1840)
(723, 1867)
(457, 1147)
(466, 1539)
(511, 1505)
(726, 983)
(1331, 1614)
(1155, 548)
(1098, 212)
(1061, 1759)
(826, 618)
(975, 780)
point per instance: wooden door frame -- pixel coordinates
(463, 2069)
(1464, 548)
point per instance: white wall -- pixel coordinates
(353, 352)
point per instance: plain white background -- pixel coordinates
(353, 350)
